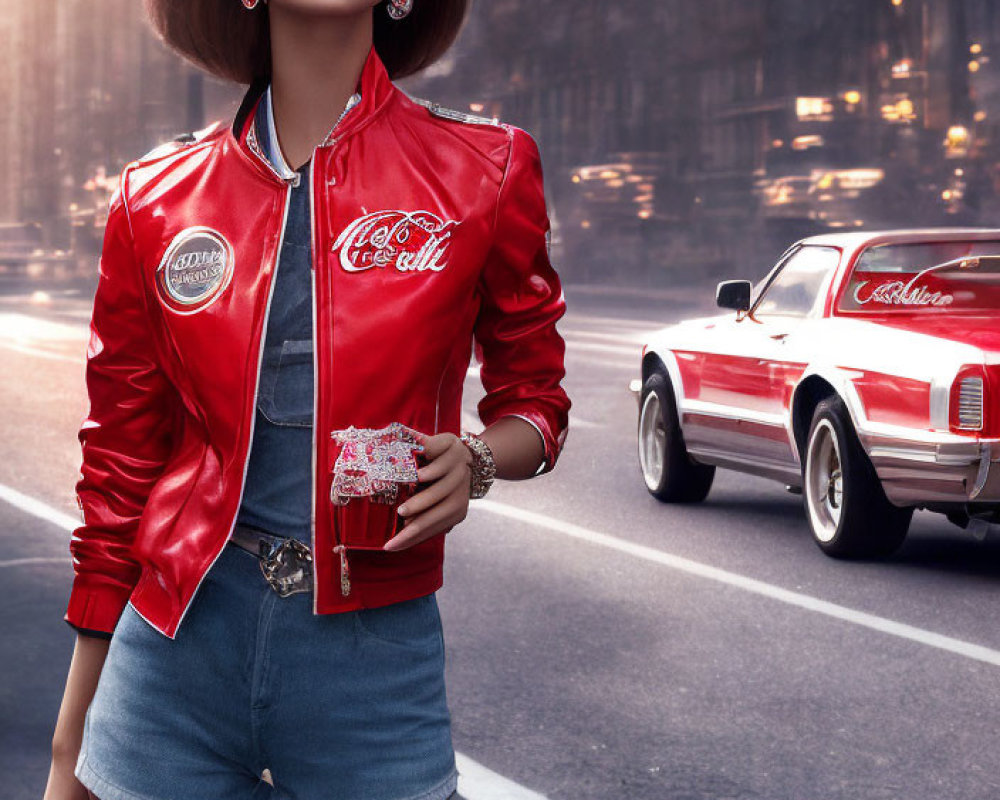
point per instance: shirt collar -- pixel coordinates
(268, 135)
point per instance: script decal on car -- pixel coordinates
(900, 293)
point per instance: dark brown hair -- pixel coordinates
(221, 36)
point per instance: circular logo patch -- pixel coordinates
(196, 268)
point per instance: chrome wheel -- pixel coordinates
(824, 481)
(652, 441)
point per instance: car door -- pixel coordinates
(750, 368)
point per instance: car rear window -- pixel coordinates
(926, 276)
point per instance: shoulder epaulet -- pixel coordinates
(179, 142)
(454, 114)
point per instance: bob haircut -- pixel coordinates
(227, 40)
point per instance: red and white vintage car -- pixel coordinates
(864, 371)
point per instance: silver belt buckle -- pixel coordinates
(287, 567)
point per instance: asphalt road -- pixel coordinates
(601, 645)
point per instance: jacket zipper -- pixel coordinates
(312, 276)
(256, 388)
(339, 548)
(345, 575)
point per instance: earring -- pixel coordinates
(398, 8)
(250, 5)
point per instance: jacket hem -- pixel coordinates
(96, 610)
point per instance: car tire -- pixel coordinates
(668, 472)
(848, 512)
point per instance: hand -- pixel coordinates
(445, 502)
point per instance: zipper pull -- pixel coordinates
(345, 572)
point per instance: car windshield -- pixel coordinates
(794, 291)
(957, 276)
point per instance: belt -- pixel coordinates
(285, 562)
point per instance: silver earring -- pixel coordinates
(398, 8)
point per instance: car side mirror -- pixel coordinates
(734, 295)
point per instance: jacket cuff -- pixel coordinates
(89, 633)
(95, 608)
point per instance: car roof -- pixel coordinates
(851, 241)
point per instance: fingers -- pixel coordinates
(449, 484)
(444, 502)
(439, 519)
(437, 444)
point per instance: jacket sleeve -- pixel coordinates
(522, 353)
(125, 438)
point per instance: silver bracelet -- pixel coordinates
(484, 468)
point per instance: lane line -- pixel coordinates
(631, 340)
(17, 562)
(475, 782)
(807, 602)
(39, 509)
(34, 351)
(617, 349)
(592, 319)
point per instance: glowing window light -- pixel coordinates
(805, 142)
(902, 69)
(813, 107)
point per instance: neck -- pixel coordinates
(316, 60)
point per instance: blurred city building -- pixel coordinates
(680, 140)
(682, 137)
(88, 88)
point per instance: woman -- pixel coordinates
(284, 319)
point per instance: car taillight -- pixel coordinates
(968, 400)
(970, 404)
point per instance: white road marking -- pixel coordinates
(648, 324)
(635, 351)
(38, 509)
(17, 562)
(24, 327)
(34, 351)
(475, 782)
(807, 602)
(631, 339)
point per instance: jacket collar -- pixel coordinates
(374, 85)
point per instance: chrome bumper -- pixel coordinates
(922, 472)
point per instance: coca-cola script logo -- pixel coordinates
(406, 240)
(196, 268)
(900, 293)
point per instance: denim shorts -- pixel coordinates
(347, 706)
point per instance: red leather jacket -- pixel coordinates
(429, 235)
